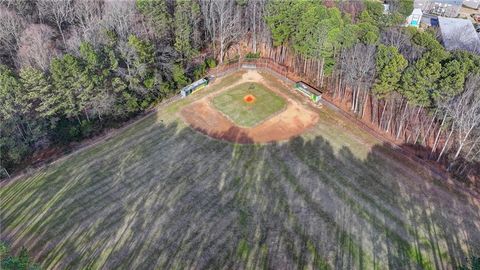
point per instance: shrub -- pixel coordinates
(252, 55)
(473, 263)
(179, 76)
(211, 63)
(10, 262)
(149, 83)
(86, 128)
(199, 71)
(66, 131)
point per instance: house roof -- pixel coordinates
(310, 88)
(472, 3)
(459, 34)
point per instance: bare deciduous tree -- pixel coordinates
(465, 111)
(358, 66)
(58, 12)
(88, 15)
(26, 8)
(119, 18)
(227, 21)
(400, 39)
(37, 47)
(11, 27)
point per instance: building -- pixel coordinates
(475, 4)
(459, 34)
(446, 8)
(312, 93)
(415, 18)
(194, 87)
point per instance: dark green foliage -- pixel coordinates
(144, 50)
(420, 82)
(199, 71)
(66, 131)
(252, 55)
(186, 11)
(156, 12)
(473, 264)
(283, 16)
(179, 76)
(390, 65)
(9, 261)
(70, 101)
(373, 10)
(211, 63)
(66, 79)
(404, 7)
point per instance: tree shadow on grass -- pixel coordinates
(233, 134)
(163, 197)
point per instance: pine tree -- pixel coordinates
(390, 65)
(66, 78)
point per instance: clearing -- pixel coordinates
(161, 195)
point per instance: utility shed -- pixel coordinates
(459, 34)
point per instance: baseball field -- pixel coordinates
(214, 182)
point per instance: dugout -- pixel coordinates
(312, 93)
(192, 88)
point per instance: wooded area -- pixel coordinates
(69, 68)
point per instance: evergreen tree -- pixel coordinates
(156, 12)
(185, 12)
(40, 92)
(390, 65)
(66, 78)
(282, 19)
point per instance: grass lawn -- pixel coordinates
(248, 114)
(162, 196)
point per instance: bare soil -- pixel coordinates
(291, 122)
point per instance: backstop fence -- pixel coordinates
(282, 72)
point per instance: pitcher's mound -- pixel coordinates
(249, 98)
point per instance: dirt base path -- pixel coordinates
(294, 120)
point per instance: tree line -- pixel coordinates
(72, 67)
(399, 79)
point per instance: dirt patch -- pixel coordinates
(291, 122)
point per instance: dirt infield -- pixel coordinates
(291, 122)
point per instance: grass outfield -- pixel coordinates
(162, 196)
(245, 114)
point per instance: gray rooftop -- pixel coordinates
(459, 34)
